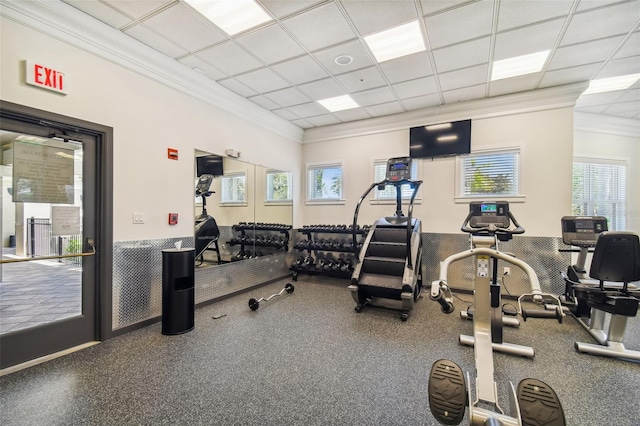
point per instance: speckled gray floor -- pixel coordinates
(306, 359)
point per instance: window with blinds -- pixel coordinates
(232, 188)
(324, 182)
(279, 187)
(600, 189)
(492, 174)
(389, 193)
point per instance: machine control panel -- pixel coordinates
(582, 231)
(489, 213)
(399, 168)
(203, 185)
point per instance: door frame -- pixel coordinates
(103, 202)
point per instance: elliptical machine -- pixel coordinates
(207, 231)
(487, 223)
(388, 267)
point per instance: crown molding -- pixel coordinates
(65, 23)
(517, 103)
(606, 124)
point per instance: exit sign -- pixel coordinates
(46, 77)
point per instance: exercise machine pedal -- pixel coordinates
(539, 404)
(447, 392)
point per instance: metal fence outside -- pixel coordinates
(40, 242)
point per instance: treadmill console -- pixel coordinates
(399, 169)
(582, 231)
(489, 214)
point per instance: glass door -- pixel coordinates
(48, 274)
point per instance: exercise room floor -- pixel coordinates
(307, 358)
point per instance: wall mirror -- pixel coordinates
(250, 205)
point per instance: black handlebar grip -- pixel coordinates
(447, 307)
(542, 313)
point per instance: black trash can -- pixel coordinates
(178, 290)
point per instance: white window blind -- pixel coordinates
(389, 193)
(600, 189)
(490, 174)
(232, 188)
(279, 186)
(324, 182)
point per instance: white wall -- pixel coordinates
(545, 138)
(147, 118)
(600, 140)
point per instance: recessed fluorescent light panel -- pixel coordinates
(519, 65)
(610, 84)
(396, 42)
(233, 16)
(339, 103)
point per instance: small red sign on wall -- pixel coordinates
(173, 218)
(46, 77)
(172, 154)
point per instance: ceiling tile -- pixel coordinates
(601, 23)
(361, 58)
(407, 68)
(151, 39)
(288, 97)
(237, 87)
(264, 102)
(282, 8)
(323, 120)
(271, 44)
(308, 110)
(286, 114)
(630, 48)
(101, 11)
(514, 14)
(320, 27)
(300, 70)
(592, 4)
(462, 55)
(584, 53)
(522, 41)
(185, 28)
(351, 114)
(569, 75)
(137, 8)
(592, 110)
(598, 99)
(417, 87)
(389, 108)
(372, 16)
(464, 94)
(521, 83)
(622, 108)
(630, 95)
(433, 6)
(460, 24)
(618, 67)
(374, 96)
(357, 81)
(302, 123)
(262, 80)
(322, 89)
(421, 102)
(464, 77)
(219, 54)
(199, 65)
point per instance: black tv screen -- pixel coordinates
(209, 165)
(440, 139)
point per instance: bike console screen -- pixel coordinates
(399, 169)
(582, 231)
(489, 214)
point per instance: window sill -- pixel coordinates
(511, 199)
(405, 202)
(325, 202)
(238, 204)
(278, 203)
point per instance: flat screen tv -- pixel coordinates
(209, 165)
(440, 139)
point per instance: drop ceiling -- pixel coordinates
(288, 64)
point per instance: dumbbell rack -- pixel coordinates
(259, 234)
(319, 260)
